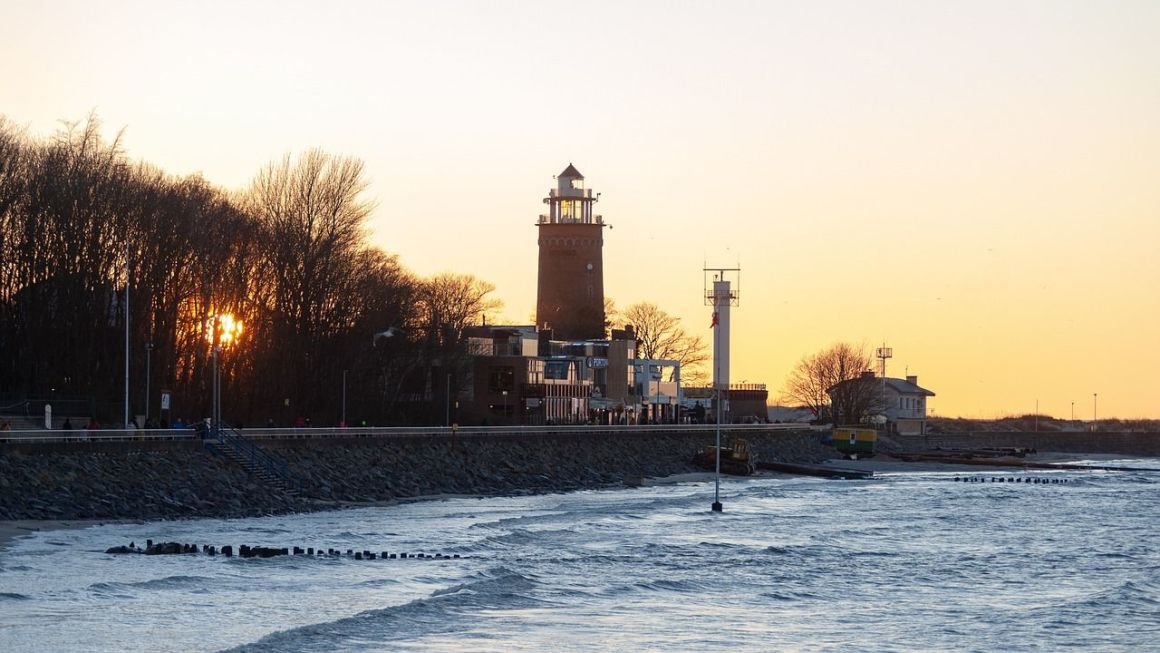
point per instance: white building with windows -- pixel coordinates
(905, 404)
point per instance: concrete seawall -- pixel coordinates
(152, 480)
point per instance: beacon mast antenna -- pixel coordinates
(721, 297)
(883, 353)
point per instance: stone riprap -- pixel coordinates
(127, 484)
(124, 481)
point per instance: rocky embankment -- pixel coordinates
(120, 481)
(116, 484)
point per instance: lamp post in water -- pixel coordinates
(221, 330)
(716, 507)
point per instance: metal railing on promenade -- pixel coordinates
(101, 435)
(387, 432)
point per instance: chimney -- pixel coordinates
(912, 380)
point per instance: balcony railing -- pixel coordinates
(546, 219)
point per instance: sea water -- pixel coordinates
(901, 562)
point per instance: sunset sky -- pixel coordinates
(975, 183)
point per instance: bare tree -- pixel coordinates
(192, 258)
(831, 383)
(612, 316)
(66, 231)
(659, 335)
(855, 400)
(450, 302)
(312, 214)
(14, 155)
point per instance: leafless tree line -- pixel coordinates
(836, 384)
(289, 256)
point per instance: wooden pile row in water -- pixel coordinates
(1015, 479)
(246, 551)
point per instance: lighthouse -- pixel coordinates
(570, 286)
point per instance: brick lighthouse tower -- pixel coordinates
(570, 297)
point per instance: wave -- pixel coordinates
(13, 596)
(444, 611)
(267, 530)
(166, 583)
(1128, 594)
(678, 586)
(786, 596)
(804, 550)
(522, 521)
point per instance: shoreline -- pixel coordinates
(10, 530)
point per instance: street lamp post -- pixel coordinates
(657, 404)
(148, 369)
(221, 331)
(343, 420)
(1095, 413)
(505, 405)
(215, 399)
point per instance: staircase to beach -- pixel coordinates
(270, 469)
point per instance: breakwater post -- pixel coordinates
(247, 551)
